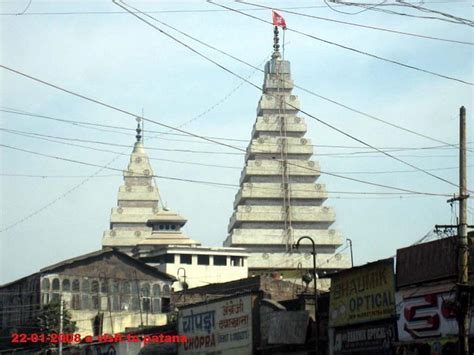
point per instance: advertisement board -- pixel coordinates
(364, 338)
(362, 294)
(220, 327)
(427, 313)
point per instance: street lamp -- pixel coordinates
(350, 247)
(297, 245)
(184, 284)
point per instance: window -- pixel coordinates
(145, 290)
(56, 286)
(86, 286)
(186, 259)
(134, 288)
(168, 259)
(236, 261)
(156, 305)
(220, 260)
(165, 304)
(165, 227)
(125, 288)
(156, 299)
(156, 290)
(203, 259)
(115, 287)
(45, 284)
(95, 286)
(103, 287)
(76, 286)
(66, 285)
(115, 303)
(146, 305)
(76, 301)
(166, 290)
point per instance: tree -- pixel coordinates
(48, 321)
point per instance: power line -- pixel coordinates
(38, 136)
(444, 14)
(113, 107)
(44, 176)
(51, 138)
(179, 11)
(300, 87)
(358, 25)
(212, 183)
(199, 136)
(150, 12)
(119, 145)
(218, 166)
(286, 103)
(451, 19)
(81, 123)
(350, 48)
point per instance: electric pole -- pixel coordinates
(463, 293)
(61, 320)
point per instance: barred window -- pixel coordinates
(66, 285)
(56, 285)
(86, 286)
(95, 286)
(45, 284)
(76, 285)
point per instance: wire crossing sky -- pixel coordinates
(55, 182)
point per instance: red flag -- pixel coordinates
(278, 20)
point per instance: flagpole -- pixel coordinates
(283, 45)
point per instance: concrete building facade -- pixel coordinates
(279, 200)
(105, 292)
(197, 266)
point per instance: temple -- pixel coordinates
(279, 200)
(139, 218)
(144, 229)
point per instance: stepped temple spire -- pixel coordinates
(279, 199)
(138, 218)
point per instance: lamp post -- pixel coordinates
(350, 247)
(184, 284)
(316, 333)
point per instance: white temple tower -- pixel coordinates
(138, 217)
(279, 199)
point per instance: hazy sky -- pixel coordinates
(121, 61)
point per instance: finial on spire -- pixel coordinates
(139, 130)
(276, 46)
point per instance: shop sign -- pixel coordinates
(220, 327)
(427, 314)
(364, 338)
(362, 294)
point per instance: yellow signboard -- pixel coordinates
(362, 294)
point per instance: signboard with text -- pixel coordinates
(362, 294)
(364, 338)
(223, 327)
(428, 313)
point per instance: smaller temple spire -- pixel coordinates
(139, 130)
(276, 46)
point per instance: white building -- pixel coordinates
(141, 227)
(197, 266)
(279, 200)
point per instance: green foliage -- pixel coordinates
(48, 322)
